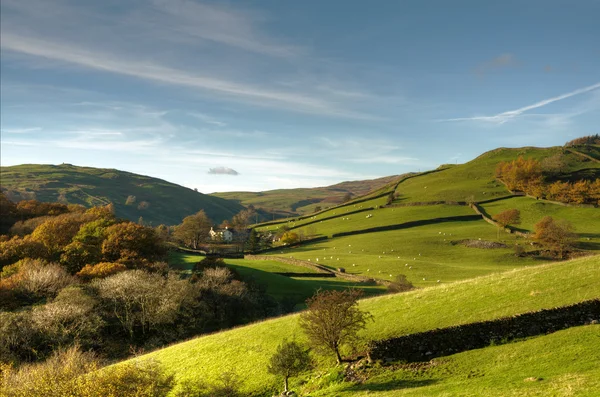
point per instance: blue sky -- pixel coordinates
(257, 95)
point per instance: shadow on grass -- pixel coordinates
(391, 385)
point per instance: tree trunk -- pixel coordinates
(338, 357)
(285, 384)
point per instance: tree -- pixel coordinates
(509, 217)
(194, 229)
(289, 360)
(556, 235)
(290, 238)
(347, 197)
(333, 319)
(253, 243)
(318, 208)
(132, 244)
(242, 220)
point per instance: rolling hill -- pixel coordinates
(294, 202)
(133, 195)
(484, 298)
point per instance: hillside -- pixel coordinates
(293, 202)
(484, 298)
(156, 200)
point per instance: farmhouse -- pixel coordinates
(221, 235)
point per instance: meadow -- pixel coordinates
(478, 299)
(424, 254)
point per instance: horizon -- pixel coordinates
(255, 96)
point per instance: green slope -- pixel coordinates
(565, 363)
(168, 203)
(476, 178)
(484, 298)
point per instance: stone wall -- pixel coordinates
(424, 346)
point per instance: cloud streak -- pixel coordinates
(502, 118)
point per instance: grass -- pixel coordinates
(564, 363)
(585, 220)
(168, 203)
(247, 349)
(476, 178)
(293, 289)
(419, 252)
(336, 212)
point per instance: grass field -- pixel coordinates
(565, 363)
(419, 252)
(585, 220)
(295, 289)
(382, 217)
(339, 211)
(484, 298)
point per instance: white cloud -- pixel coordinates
(222, 171)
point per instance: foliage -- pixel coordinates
(400, 284)
(585, 140)
(193, 230)
(73, 373)
(290, 238)
(289, 360)
(131, 244)
(100, 270)
(333, 319)
(555, 235)
(243, 219)
(519, 174)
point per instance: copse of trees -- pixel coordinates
(585, 140)
(530, 176)
(556, 236)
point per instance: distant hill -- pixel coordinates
(292, 202)
(133, 195)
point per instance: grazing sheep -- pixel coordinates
(424, 279)
(379, 256)
(368, 270)
(438, 281)
(410, 267)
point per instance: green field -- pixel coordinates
(565, 363)
(168, 203)
(381, 217)
(336, 212)
(295, 289)
(585, 220)
(484, 298)
(428, 252)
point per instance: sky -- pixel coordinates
(256, 95)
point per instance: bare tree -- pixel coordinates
(333, 319)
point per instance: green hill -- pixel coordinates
(293, 202)
(485, 298)
(157, 201)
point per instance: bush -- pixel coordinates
(400, 284)
(100, 270)
(73, 373)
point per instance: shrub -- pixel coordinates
(100, 270)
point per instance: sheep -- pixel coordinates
(353, 264)
(410, 267)
(406, 264)
(368, 270)
(438, 281)
(424, 279)
(391, 275)
(379, 256)
(317, 259)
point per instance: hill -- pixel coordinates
(133, 195)
(293, 202)
(484, 298)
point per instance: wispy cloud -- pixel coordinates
(222, 171)
(20, 130)
(502, 118)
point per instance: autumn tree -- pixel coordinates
(289, 360)
(131, 244)
(518, 174)
(193, 230)
(243, 219)
(333, 320)
(555, 235)
(505, 218)
(290, 238)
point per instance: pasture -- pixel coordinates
(424, 254)
(247, 349)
